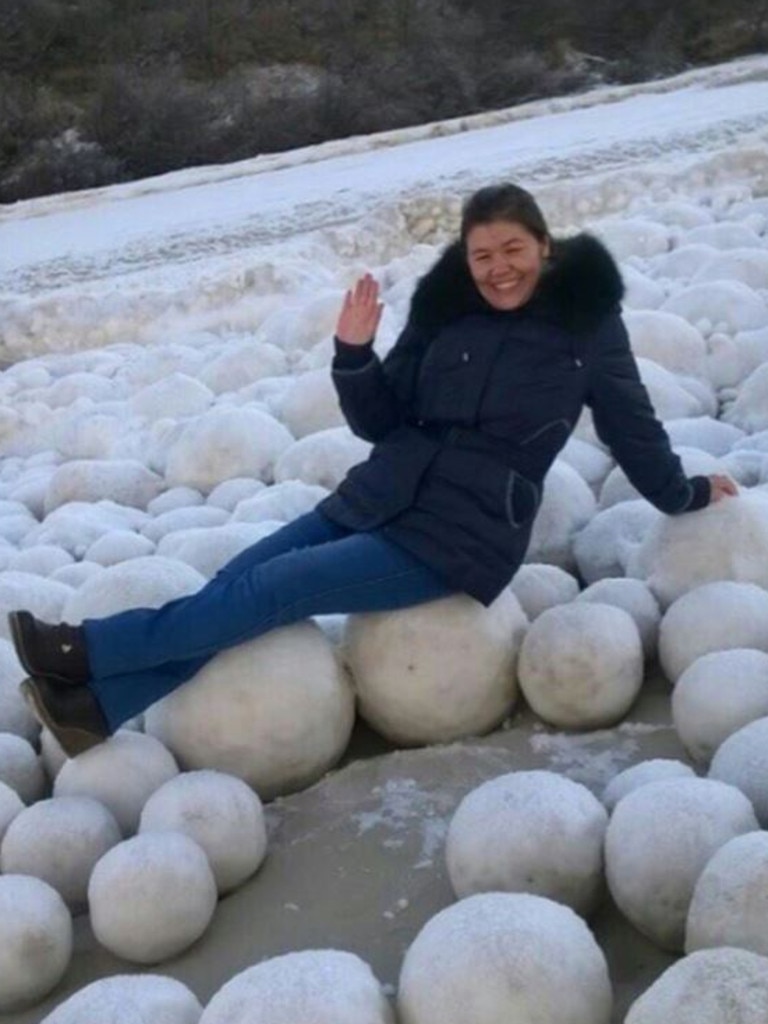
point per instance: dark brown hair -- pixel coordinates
(503, 202)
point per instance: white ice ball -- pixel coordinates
(20, 767)
(567, 504)
(667, 339)
(742, 761)
(221, 813)
(505, 957)
(321, 986)
(640, 775)
(533, 831)
(309, 404)
(241, 364)
(276, 712)
(45, 598)
(35, 941)
(717, 695)
(722, 302)
(125, 481)
(225, 443)
(121, 773)
(581, 665)
(11, 805)
(659, 839)
(725, 541)
(129, 999)
(713, 617)
(636, 599)
(209, 549)
(15, 715)
(322, 459)
(151, 897)
(698, 988)
(540, 586)
(728, 905)
(148, 582)
(59, 841)
(605, 546)
(437, 671)
(704, 432)
(284, 501)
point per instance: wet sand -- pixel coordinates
(356, 862)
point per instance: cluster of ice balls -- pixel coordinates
(200, 834)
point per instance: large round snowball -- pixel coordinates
(59, 841)
(221, 813)
(20, 767)
(658, 841)
(276, 712)
(437, 671)
(224, 443)
(129, 999)
(151, 897)
(567, 504)
(607, 543)
(641, 774)
(541, 586)
(15, 715)
(714, 986)
(581, 665)
(728, 905)
(11, 804)
(635, 598)
(321, 986)
(35, 940)
(121, 773)
(147, 582)
(713, 617)
(725, 541)
(717, 695)
(742, 761)
(534, 832)
(505, 957)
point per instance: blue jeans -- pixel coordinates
(309, 567)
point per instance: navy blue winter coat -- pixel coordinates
(471, 406)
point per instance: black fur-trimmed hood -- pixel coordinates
(580, 285)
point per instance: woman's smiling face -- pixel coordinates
(505, 261)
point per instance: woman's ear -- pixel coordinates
(546, 249)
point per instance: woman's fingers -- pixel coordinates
(722, 487)
(360, 312)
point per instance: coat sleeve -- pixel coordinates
(625, 420)
(371, 402)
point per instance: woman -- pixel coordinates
(509, 335)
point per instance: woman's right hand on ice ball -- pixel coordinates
(360, 313)
(721, 487)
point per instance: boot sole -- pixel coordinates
(72, 741)
(17, 635)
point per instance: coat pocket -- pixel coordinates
(522, 500)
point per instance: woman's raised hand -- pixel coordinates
(360, 313)
(721, 487)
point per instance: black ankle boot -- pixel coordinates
(57, 653)
(71, 713)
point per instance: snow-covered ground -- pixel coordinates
(167, 402)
